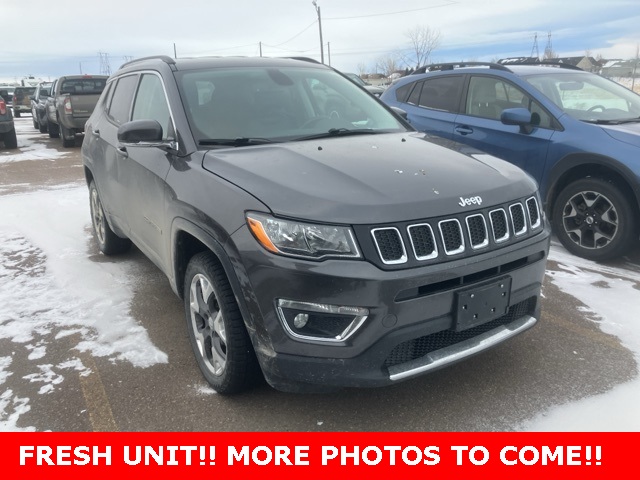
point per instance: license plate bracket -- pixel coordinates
(482, 303)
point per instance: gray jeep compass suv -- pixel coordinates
(313, 235)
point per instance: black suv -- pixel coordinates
(323, 246)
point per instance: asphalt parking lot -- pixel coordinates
(95, 343)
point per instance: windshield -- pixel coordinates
(589, 97)
(250, 105)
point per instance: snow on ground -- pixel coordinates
(50, 290)
(612, 298)
(30, 146)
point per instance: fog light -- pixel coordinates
(319, 322)
(300, 320)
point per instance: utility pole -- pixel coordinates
(175, 53)
(329, 52)
(105, 67)
(635, 66)
(315, 4)
(260, 48)
(80, 63)
(535, 47)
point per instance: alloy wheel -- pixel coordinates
(97, 215)
(590, 219)
(207, 323)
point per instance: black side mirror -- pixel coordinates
(136, 131)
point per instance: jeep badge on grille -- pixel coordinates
(470, 201)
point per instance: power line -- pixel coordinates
(298, 34)
(449, 3)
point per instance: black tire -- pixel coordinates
(10, 139)
(108, 242)
(52, 128)
(217, 333)
(35, 123)
(68, 137)
(16, 113)
(594, 218)
(42, 126)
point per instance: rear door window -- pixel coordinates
(120, 106)
(442, 93)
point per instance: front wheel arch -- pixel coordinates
(576, 167)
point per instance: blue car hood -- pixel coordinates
(626, 132)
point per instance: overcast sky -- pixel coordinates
(48, 38)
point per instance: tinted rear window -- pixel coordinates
(24, 91)
(83, 86)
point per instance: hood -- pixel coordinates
(626, 132)
(368, 179)
(374, 89)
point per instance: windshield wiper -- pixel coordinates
(340, 132)
(614, 122)
(234, 142)
(630, 120)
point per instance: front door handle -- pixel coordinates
(464, 130)
(122, 150)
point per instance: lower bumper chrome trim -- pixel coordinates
(459, 351)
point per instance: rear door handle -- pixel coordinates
(464, 130)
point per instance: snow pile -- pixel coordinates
(30, 146)
(612, 298)
(51, 290)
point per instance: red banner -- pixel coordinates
(319, 455)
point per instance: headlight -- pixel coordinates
(298, 239)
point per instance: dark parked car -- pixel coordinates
(6, 93)
(577, 133)
(38, 108)
(22, 100)
(319, 249)
(373, 89)
(7, 128)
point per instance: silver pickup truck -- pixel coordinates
(70, 104)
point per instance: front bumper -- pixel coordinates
(410, 329)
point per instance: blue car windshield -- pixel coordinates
(588, 97)
(248, 105)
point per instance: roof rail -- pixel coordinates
(568, 66)
(304, 59)
(165, 58)
(453, 65)
(535, 62)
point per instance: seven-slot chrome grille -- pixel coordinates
(457, 235)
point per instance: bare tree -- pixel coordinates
(362, 69)
(387, 64)
(423, 42)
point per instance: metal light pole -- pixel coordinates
(315, 4)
